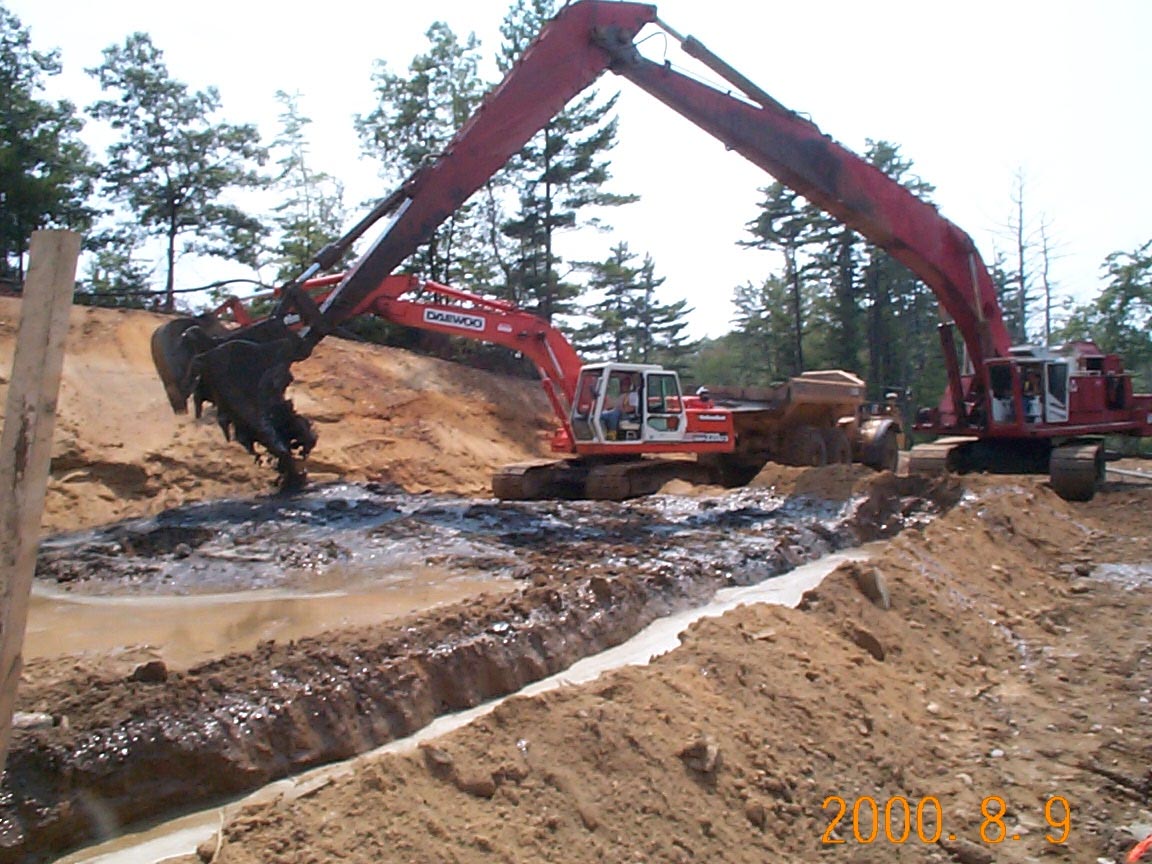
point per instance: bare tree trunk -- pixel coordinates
(797, 307)
(847, 351)
(170, 282)
(1021, 264)
(548, 309)
(877, 347)
(1046, 261)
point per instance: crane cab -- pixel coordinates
(1077, 389)
(633, 408)
(1024, 391)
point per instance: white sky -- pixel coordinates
(972, 92)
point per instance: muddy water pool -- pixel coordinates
(214, 578)
(182, 836)
(562, 581)
(185, 630)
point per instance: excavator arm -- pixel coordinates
(443, 309)
(245, 372)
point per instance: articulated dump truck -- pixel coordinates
(816, 418)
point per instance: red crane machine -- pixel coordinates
(1020, 409)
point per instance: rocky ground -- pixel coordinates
(978, 691)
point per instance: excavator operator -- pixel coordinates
(626, 404)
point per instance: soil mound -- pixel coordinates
(998, 687)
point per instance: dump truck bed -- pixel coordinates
(818, 399)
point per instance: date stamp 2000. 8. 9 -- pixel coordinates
(900, 820)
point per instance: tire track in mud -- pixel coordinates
(594, 575)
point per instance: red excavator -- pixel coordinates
(619, 422)
(1017, 409)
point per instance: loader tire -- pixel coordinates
(885, 455)
(1075, 470)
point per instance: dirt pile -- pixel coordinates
(382, 414)
(1003, 696)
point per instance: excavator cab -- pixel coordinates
(626, 403)
(1028, 389)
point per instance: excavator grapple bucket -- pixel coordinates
(174, 357)
(245, 377)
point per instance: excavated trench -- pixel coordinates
(569, 579)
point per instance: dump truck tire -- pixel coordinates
(804, 446)
(837, 447)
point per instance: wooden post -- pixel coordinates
(26, 444)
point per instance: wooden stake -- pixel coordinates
(26, 444)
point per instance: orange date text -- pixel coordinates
(900, 820)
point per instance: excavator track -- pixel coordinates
(577, 479)
(622, 480)
(938, 457)
(1074, 470)
(538, 480)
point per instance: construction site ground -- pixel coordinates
(977, 690)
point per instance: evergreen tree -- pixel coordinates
(719, 362)
(902, 341)
(1005, 284)
(45, 172)
(173, 165)
(116, 275)
(851, 305)
(609, 334)
(837, 290)
(661, 335)
(629, 323)
(311, 213)
(1120, 318)
(415, 117)
(797, 229)
(765, 331)
(557, 177)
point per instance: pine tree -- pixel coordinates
(833, 282)
(797, 229)
(1120, 318)
(629, 323)
(116, 274)
(661, 335)
(556, 178)
(1005, 284)
(901, 334)
(45, 172)
(851, 304)
(312, 211)
(415, 117)
(173, 164)
(764, 331)
(609, 334)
